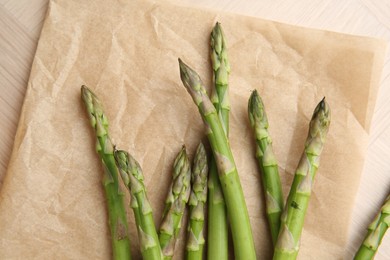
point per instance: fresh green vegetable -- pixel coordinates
(272, 187)
(228, 175)
(197, 202)
(221, 70)
(132, 177)
(217, 216)
(104, 147)
(217, 225)
(375, 233)
(293, 216)
(175, 204)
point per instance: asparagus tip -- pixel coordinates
(255, 97)
(323, 111)
(121, 158)
(256, 109)
(85, 93)
(217, 28)
(191, 81)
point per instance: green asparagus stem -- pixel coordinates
(228, 176)
(175, 204)
(267, 162)
(104, 147)
(375, 233)
(132, 177)
(217, 227)
(221, 70)
(197, 201)
(293, 216)
(217, 216)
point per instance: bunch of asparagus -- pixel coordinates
(153, 245)
(215, 182)
(285, 228)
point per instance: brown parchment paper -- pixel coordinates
(52, 203)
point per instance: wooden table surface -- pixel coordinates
(21, 22)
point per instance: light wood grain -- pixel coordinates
(21, 22)
(20, 25)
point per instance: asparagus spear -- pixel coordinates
(217, 217)
(175, 204)
(231, 186)
(221, 70)
(132, 177)
(292, 219)
(375, 233)
(104, 147)
(197, 201)
(267, 162)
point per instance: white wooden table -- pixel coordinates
(21, 22)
